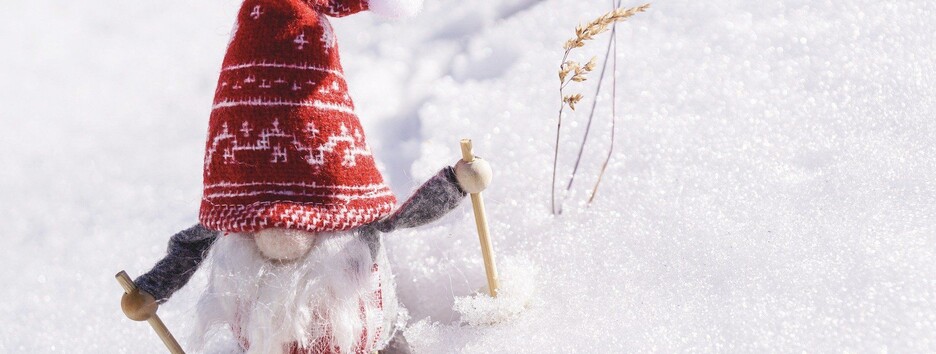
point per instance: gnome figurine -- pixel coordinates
(293, 206)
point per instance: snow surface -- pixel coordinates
(772, 186)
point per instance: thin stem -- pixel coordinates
(552, 190)
(604, 165)
(591, 116)
(556, 159)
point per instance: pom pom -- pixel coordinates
(395, 8)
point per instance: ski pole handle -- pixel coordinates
(154, 321)
(487, 248)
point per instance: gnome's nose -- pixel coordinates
(284, 244)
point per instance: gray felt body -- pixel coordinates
(188, 248)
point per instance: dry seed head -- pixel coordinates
(572, 100)
(591, 64)
(566, 68)
(600, 25)
(580, 73)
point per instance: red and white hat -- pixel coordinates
(285, 148)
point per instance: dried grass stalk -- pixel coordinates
(579, 73)
(604, 165)
(600, 25)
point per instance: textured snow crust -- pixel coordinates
(772, 186)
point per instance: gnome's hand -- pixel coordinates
(474, 176)
(138, 305)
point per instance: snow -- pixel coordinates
(517, 291)
(771, 187)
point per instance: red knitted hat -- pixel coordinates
(285, 148)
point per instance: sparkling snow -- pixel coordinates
(772, 188)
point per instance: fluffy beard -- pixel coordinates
(314, 301)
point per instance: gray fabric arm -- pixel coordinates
(185, 253)
(435, 198)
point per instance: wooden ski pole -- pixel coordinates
(487, 249)
(154, 321)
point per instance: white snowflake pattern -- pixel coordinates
(257, 11)
(349, 145)
(300, 41)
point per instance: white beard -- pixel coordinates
(326, 297)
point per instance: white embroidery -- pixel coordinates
(279, 154)
(265, 83)
(369, 188)
(264, 64)
(245, 128)
(355, 147)
(255, 14)
(310, 130)
(260, 102)
(336, 9)
(334, 87)
(229, 156)
(345, 197)
(301, 41)
(353, 143)
(224, 135)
